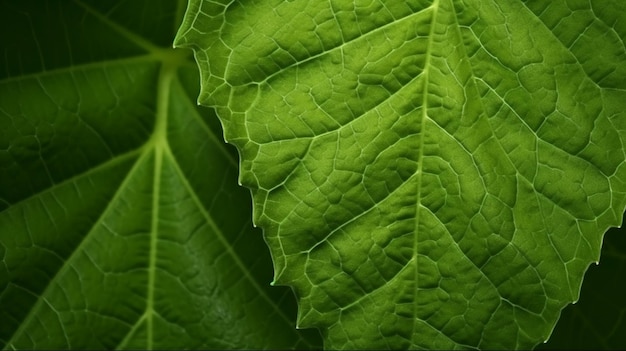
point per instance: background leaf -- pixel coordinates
(433, 174)
(121, 223)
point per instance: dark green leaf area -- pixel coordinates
(58, 125)
(121, 222)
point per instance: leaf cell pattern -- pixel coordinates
(428, 173)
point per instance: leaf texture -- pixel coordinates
(121, 223)
(598, 319)
(428, 173)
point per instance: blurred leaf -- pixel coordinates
(121, 223)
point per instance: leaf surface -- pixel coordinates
(428, 173)
(121, 223)
(598, 320)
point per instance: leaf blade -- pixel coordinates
(121, 225)
(375, 117)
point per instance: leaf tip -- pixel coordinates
(178, 41)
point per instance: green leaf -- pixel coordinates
(598, 320)
(121, 223)
(429, 173)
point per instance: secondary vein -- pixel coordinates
(420, 159)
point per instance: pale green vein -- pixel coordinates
(537, 140)
(153, 248)
(121, 62)
(483, 274)
(131, 332)
(375, 108)
(112, 162)
(336, 131)
(569, 48)
(159, 141)
(537, 137)
(32, 313)
(354, 219)
(420, 157)
(125, 32)
(381, 28)
(222, 239)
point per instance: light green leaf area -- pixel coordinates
(428, 173)
(121, 223)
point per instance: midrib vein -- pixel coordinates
(420, 158)
(159, 142)
(153, 247)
